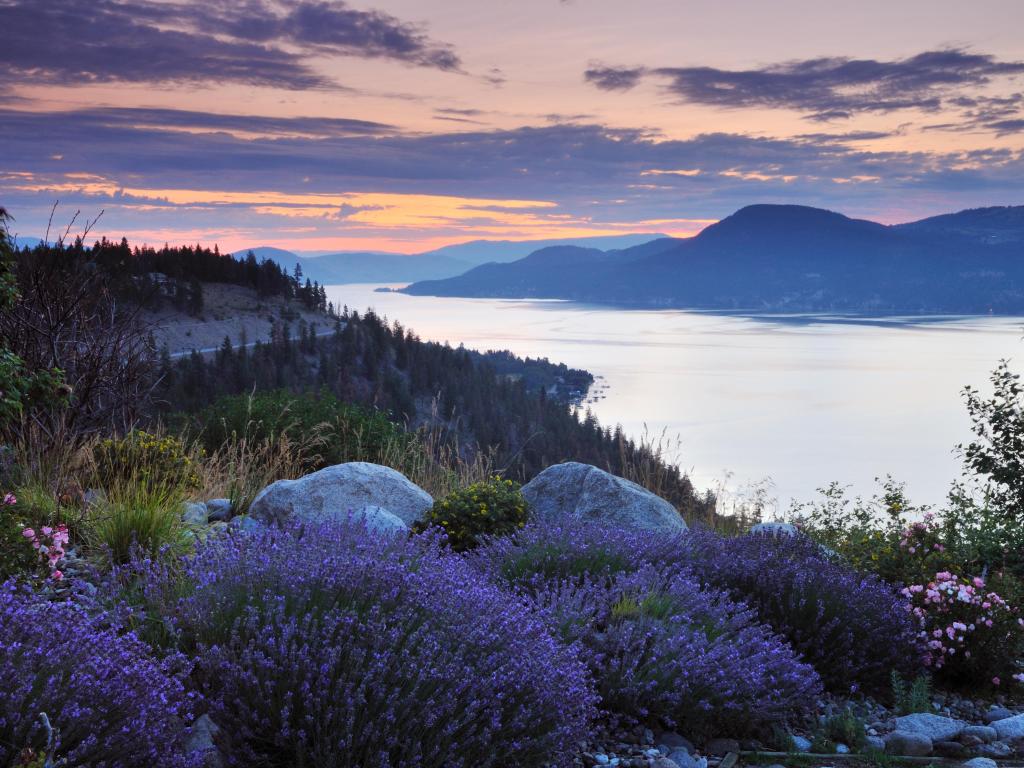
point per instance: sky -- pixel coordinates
(404, 125)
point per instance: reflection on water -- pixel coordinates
(800, 399)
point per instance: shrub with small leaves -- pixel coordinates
(110, 704)
(492, 508)
(145, 459)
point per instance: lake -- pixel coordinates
(790, 403)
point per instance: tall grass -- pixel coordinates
(136, 514)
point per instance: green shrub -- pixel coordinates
(136, 514)
(344, 432)
(908, 699)
(142, 458)
(494, 507)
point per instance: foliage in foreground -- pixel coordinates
(494, 507)
(378, 653)
(111, 704)
(661, 648)
(854, 628)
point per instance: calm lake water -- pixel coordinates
(791, 402)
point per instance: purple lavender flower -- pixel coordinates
(330, 646)
(111, 705)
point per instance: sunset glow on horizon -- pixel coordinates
(403, 126)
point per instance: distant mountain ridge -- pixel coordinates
(784, 258)
(447, 261)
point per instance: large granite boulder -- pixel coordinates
(379, 495)
(584, 492)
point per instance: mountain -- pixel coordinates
(1000, 224)
(451, 260)
(784, 258)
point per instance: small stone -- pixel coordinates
(195, 513)
(997, 749)
(801, 743)
(682, 758)
(997, 713)
(874, 743)
(1010, 728)
(203, 740)
(980, 762)
(842, 749)
(908, 744)
(664, 762)
(722, 747)
(984, 733)
(673, 740)
(245, 524)
(601, 759)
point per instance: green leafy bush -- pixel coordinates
(495, 507)
(344, 432)
(145, 459)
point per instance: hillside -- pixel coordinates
(448, 261)
(785, 258)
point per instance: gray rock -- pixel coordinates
(584, 492)
(203, 739)
(774, 529)
(673, 740)
(664, 762)
(219, 509)
(243, 524)
(980, 762)
(378, 519)
(873, 743)
(997, 713)
(334, 491)
(1010, 728)
(984, 733)
(801, 743)
(682, 758)
(997, 749)
(842, 749)
(935, 727)
(908, 744)
(195, 513)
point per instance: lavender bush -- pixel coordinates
(111, 705)
(662, 650)
(659, 646)
(854, 628)
(328, 646)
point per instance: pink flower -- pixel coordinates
(995, 681)
(47, 530)
(10, 498)
(28, 533)
(58, 576)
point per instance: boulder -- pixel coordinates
(334, 492)
(774, 529)
(584, 492)
(908, 744)
(1010, 728)
(949, 749)
(935, 727)
(873, 743)
(219, 509)
(195, 513)
(980, 762)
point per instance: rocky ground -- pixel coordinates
(228, 310)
